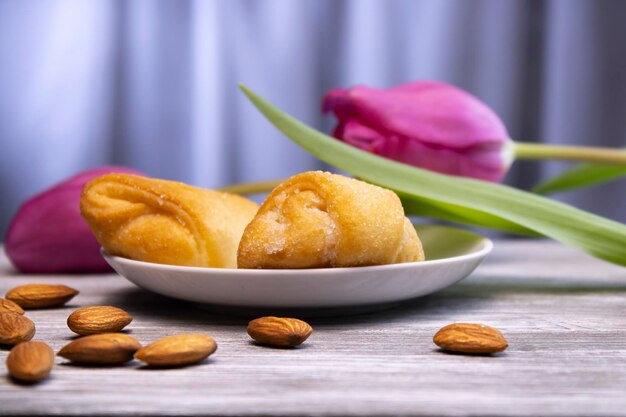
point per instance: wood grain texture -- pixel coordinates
(563, 313)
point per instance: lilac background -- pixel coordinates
(152, 84)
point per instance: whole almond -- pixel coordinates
(98, 319)
(178, 350)
(41, 295)
(470, 338)
(279, 331)
(30, 361)
(15, 328)
(105, 348)
(8, 306)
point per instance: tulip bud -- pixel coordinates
(426, 124)
(48, 234)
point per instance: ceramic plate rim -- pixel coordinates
(487, 247)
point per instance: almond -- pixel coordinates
(178, 350)
(30, 361)
(470, 338)
(41, 295)
(105, 348)
(98, 319)
(279, 331)
(8, 306)
(15, 328)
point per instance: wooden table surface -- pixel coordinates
(563, 313)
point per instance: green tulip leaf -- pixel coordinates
(417, 206)
(582, 175)
(460, 199)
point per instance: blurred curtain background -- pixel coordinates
(153, 84)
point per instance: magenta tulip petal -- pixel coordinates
(364, 137)
(482, 163)
(339, 102)
(426, 124)
(444, 117)
(48, 234)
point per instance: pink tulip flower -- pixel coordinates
(426, 124)
(48, 234)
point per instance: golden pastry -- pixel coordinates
(320, 220)
(165, 221)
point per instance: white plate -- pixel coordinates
(452, 254)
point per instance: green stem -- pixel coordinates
(522, 150)
(570, 153)
(249, 188)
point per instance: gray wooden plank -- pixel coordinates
(562, 312)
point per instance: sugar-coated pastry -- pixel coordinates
(165, 222)
(322, 220)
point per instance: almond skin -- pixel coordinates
(105, 348)
(98, 319)
(470, 338)
(41, 295)
(8, 306)
(178, 350)
(279, 331)
(30, 361)
(15, 328)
